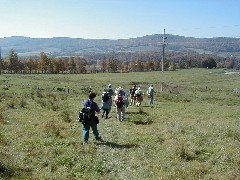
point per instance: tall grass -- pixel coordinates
(191, 132)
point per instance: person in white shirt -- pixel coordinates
(150, 93)
(139, 97)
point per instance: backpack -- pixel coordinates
(105, 97)
(86, 112)
(138, 93)
(119, 101)
(132, 92)
(150, 91)
(109, 91)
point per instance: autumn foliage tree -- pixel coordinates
(43, 62)
(115, 62)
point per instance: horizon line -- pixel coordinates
(65, 37)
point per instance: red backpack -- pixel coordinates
(119, 101)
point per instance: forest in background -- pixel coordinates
(112, 63)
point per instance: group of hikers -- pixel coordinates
(120, 101)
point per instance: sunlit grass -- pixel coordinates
(191, 131)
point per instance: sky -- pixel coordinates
(119, 19)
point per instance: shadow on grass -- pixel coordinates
(143, 122)
(141, 118)
(140, 113)
(147, 106)
(5, 172)
(118, 146)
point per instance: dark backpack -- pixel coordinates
(86, 112)
(132, 92)
(119, 101)
(109, 91)
(105, 97)
(139, 94)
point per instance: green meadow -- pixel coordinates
(191, 132)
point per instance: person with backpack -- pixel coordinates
(120, 102)
(110, 92)
(132, 95)
(106, 104)
(89, 118)
(139, 97)
(150, 93)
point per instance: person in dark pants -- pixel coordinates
(88, 122)
(106, 104)
(150, 93)
(110, 92)
(132, 95)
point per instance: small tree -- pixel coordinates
(12, 60)
(209, 63)
(43, 62)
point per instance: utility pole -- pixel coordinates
(163, 56)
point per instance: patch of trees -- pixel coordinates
(114, 62)
(209, 63)
(42, 64)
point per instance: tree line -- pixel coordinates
(115, 62)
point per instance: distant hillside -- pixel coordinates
(64, 46)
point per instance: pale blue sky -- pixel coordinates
(116, 19)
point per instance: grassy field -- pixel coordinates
(191, 132)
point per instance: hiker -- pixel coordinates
(150, 93)
(132, 95)
(126, 101)
(120, 103)
(110, 94)
(89, 90)
(116, 92)
(139, 97)
(109, 90)
(89, 121)
(106, 104)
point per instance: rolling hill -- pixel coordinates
(65, 46)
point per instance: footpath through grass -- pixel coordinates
(191, 132)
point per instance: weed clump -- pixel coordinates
(54, 106)
(2, 140)
(1, 116)
(52, 129)
(12, 103)
(66, 116)
(39, 94)
(42, 103)
(23, 102)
